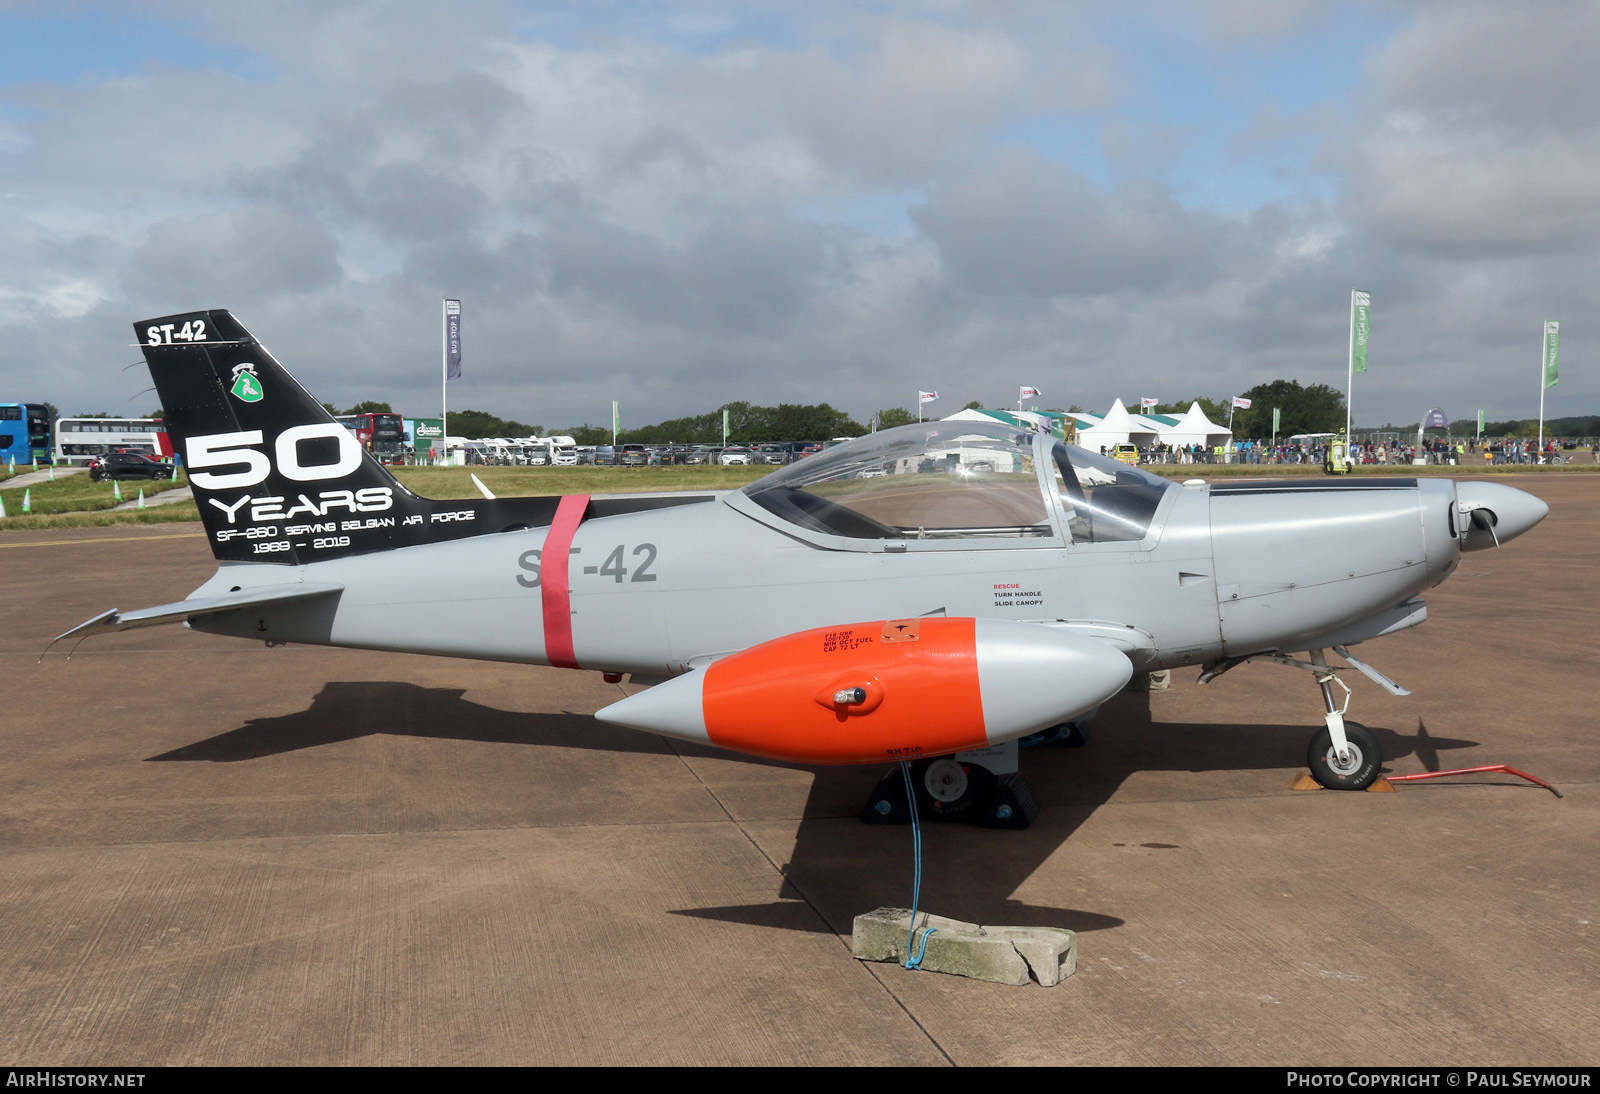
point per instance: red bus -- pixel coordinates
(384, 435)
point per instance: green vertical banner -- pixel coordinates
(1276, 413)
(1552, 344)
(1360, 303)
(616, 420)
(1480, 422)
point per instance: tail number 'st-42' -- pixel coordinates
(612, 567)
(165, 334)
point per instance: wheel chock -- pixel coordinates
(1011, 806)
(887, 803)
(1304, 781)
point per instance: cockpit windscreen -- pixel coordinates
(945, 480)
(1107, 501)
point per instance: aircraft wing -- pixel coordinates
(115, 620)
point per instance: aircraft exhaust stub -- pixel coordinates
(888, 690)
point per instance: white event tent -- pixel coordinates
(1195, 428)
(1119, 426)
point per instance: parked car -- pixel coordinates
(129, 465)
(734, 454)
(633, 455)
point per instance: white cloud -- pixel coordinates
(1482, 132)
(635, 207)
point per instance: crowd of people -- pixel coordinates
(1555, 451)
(1393, 451)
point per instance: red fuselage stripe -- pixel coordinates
(555, 592)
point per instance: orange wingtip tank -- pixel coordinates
(888, 690)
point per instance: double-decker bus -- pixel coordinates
(384, 435)
(24, 432)
(80, 440)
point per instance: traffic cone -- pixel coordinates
(2, 508)
(27, 501)
(141, 498)
(52, 470)
(116, 489)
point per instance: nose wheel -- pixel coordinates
(1357, 769)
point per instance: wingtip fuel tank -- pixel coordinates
(887, 690)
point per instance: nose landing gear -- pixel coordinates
(1342, 755)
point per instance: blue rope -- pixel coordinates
(916, 875)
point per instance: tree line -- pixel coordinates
(1316, 408)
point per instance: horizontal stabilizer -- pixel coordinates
(114, 620)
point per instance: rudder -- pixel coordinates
(276, 478)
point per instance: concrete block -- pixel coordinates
(1001, 955)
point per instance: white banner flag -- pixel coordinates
(1241, 403)
(1147, 404)
(927, 396)
(1030, 393)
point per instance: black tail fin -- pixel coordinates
(275, 477)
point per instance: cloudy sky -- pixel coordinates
(680, 204)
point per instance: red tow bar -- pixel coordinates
(1496, 768)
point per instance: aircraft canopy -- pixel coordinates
(963, 483)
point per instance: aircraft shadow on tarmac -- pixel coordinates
(841, 867)
(838, 866)
(347, 710)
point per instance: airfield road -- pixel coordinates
(34, 478)
(213, 852)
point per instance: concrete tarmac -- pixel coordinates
(213, 852)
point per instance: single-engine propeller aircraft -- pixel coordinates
(927, 592)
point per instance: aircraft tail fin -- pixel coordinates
(276, 477)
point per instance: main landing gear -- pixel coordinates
(1342, 755)
(981, 787)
